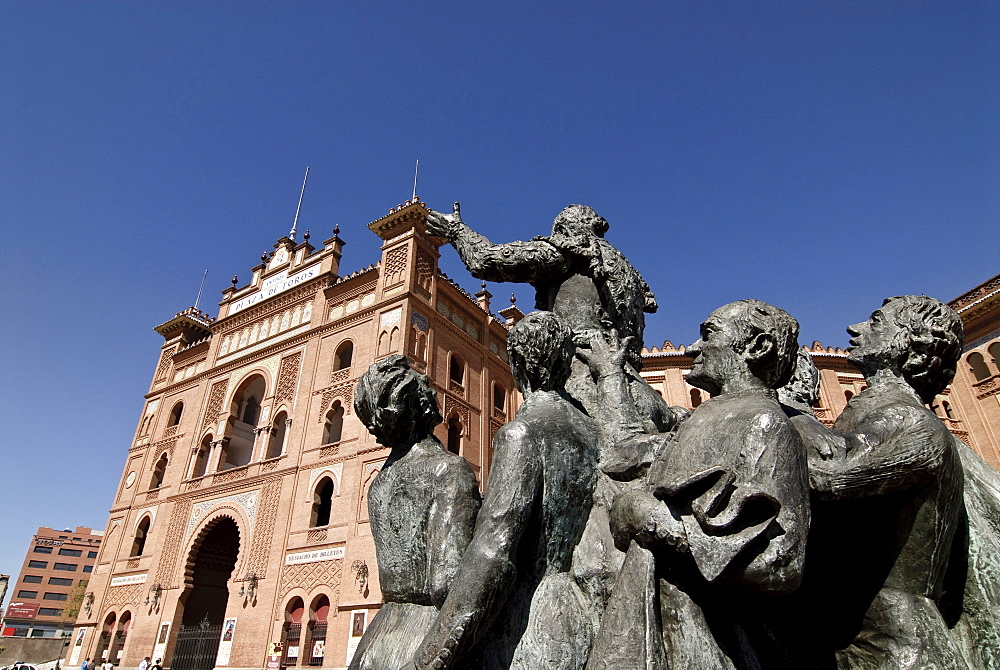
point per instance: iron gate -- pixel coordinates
(197, 646)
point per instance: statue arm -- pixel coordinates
(449, 527)
(901, 449)
(617, 416)
(524, 262)
(487, 570)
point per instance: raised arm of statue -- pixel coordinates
(487, 569)
(617, 417)
(525, 262)
(900, 448)
(449, 528)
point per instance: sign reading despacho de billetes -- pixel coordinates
(314, 556)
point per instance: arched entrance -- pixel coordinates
(210, 566)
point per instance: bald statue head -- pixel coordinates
(742, 344)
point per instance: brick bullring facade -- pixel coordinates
(239, 535)
(241, 518)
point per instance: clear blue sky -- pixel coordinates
(817, 155)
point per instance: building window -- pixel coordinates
(454, 435)
(88, 568)
(248, 400)
(317, 630)
(238, 449)
(70, 552)
(32, 579)
(67, 567)
(456, 370)
(158, 472)
(42, 550)
(994, 350)
(49, 595)
(38, 564)
(342, 359)
(695, 397)
(499, 397)
(60, 581)
(276, 441)
(139, 543)
(49, 611)
(334, 427)
(980, 370)
(322, 503)
(292, 631)
(201, 458)
(27, 594)
(175, 414)
(91, 554)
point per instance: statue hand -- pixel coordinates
(606, 355)
(639, 516)
(444, 225)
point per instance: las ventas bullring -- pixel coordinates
(239, 535)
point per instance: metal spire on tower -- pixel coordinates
(291, 234)
(202, 288)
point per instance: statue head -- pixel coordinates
(803, 387)
(916, 337)
(579, 220)
(741, 342)
(395, 403)
(541, 350)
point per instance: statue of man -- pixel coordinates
(891, 501)
(726, 504)
(422, 506)
(514, 602)
(582, 278)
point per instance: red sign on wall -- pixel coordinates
(22, 610)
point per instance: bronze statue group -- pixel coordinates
(617, 533)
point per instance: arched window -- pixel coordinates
(292, 632)
(118, 643)
(454, 434)
(251, 411)
(848, 395)
(248, 398)
(394, 339)
(104, 642)
(238, 448)
(139, 543)
(421, 346)
(158, 471)
(201, 458)
(695, 397)
(319, 612)
(322, 503)
(979, 368)
(175, 414)
(499, 398)
(276, 442)
(994, 350)
(333, 429)
(456, 370)
(342, 359)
